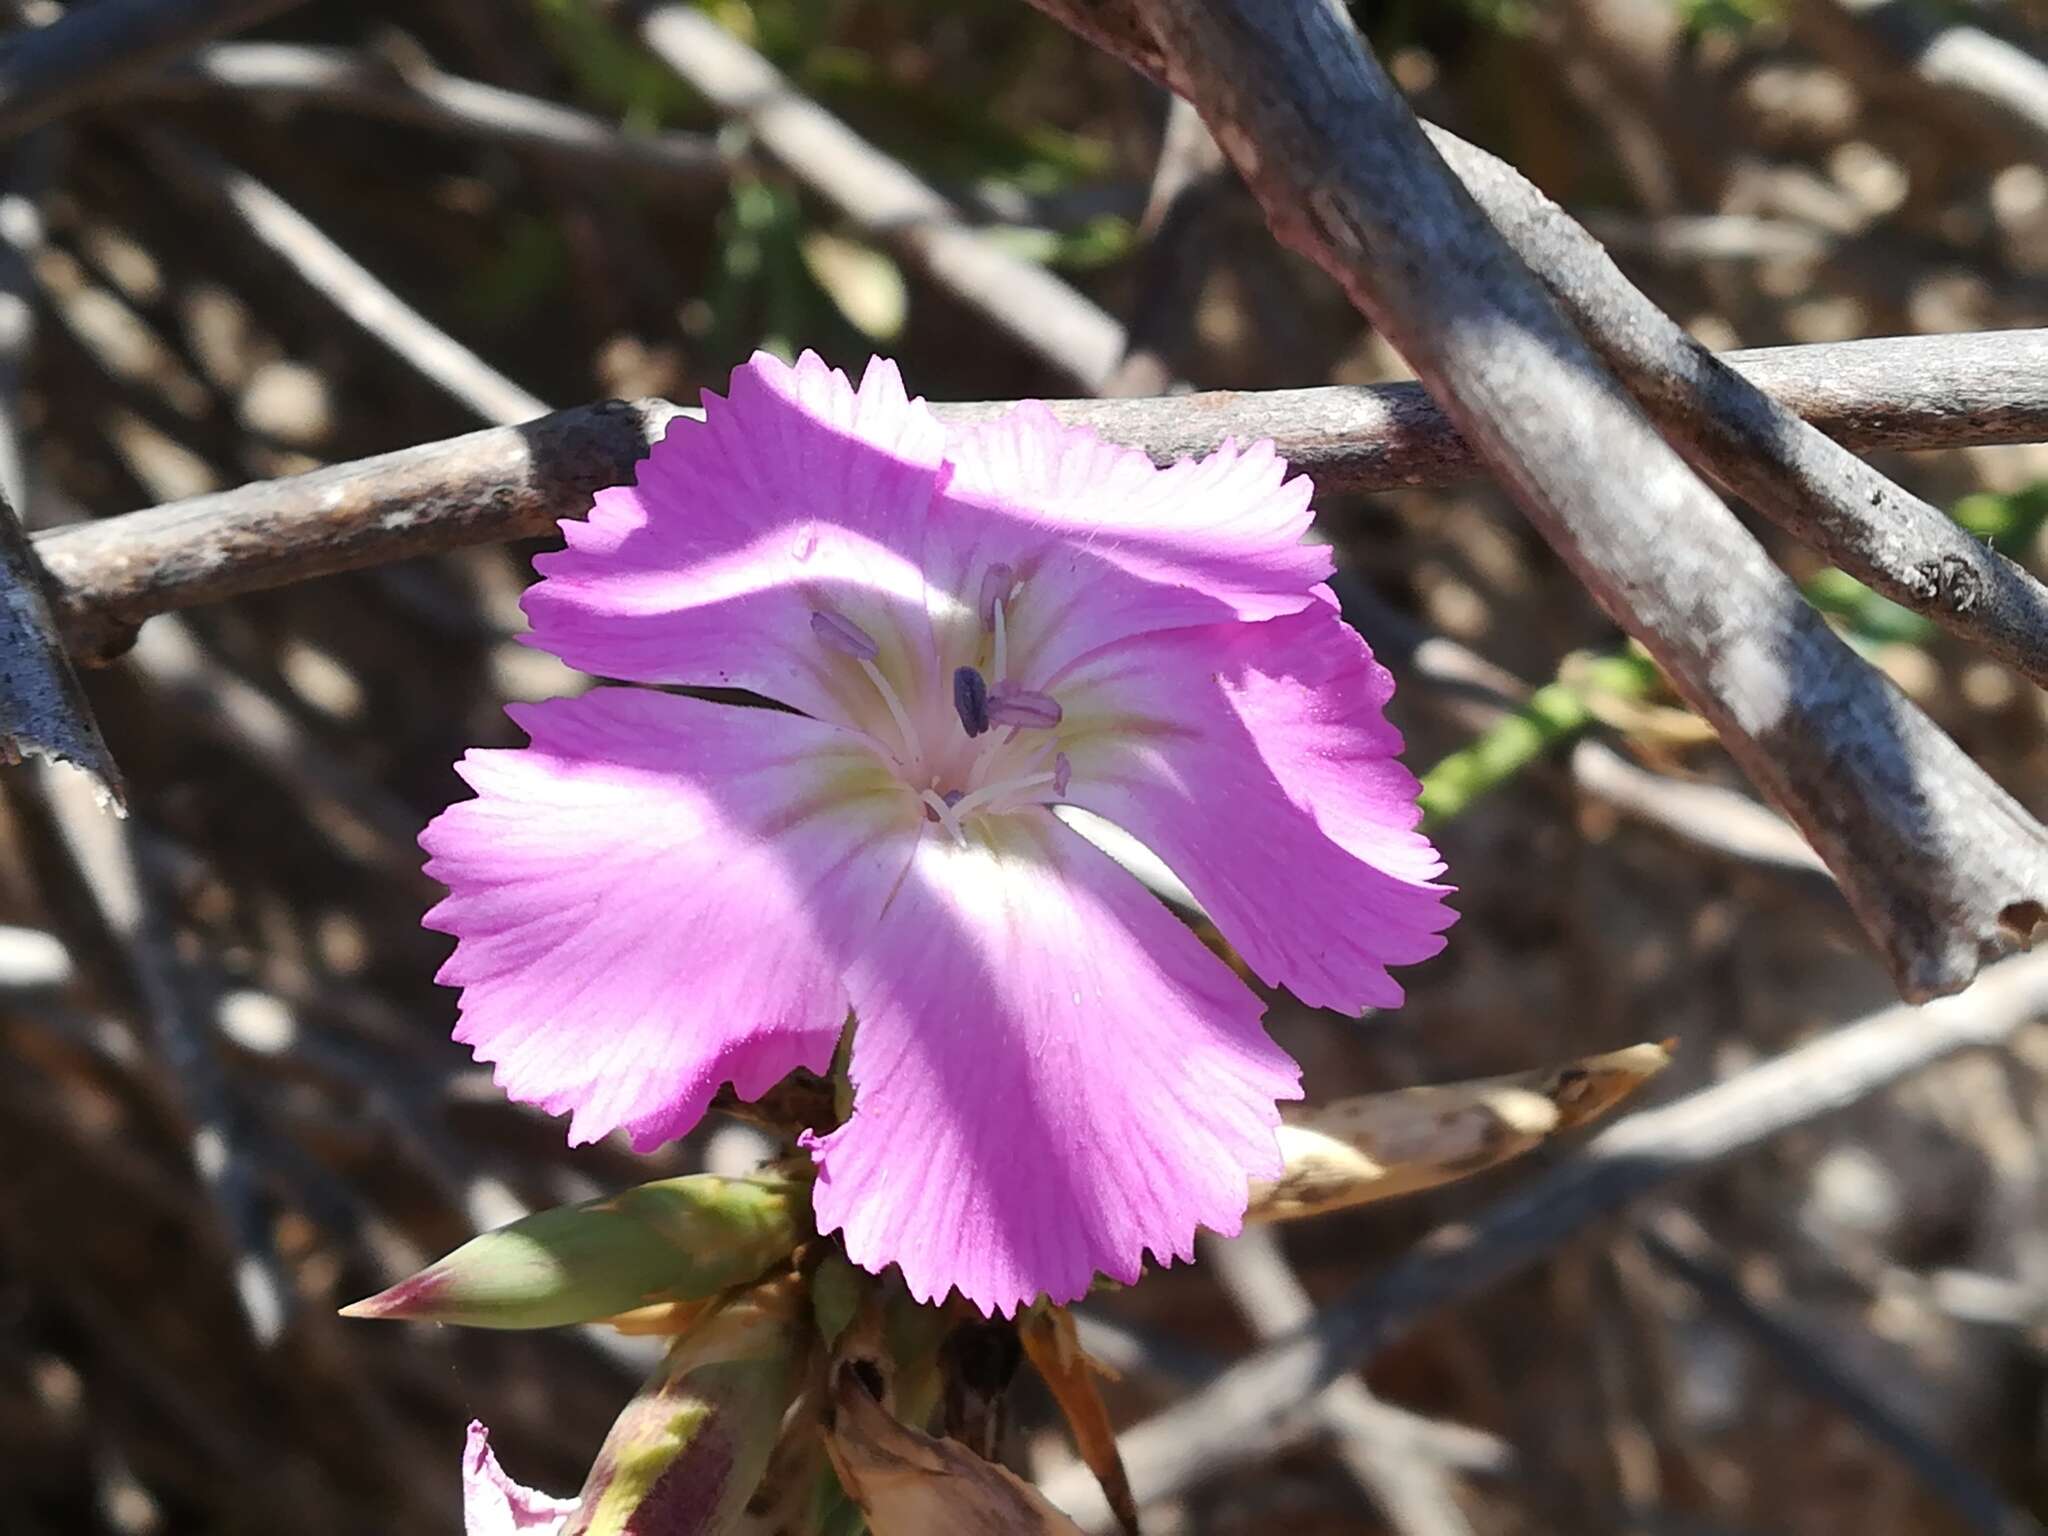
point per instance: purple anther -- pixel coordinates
(996, 582)
(844, 636)
(953, 797)
(1020, 706)
(1062, 774)
(970, 700)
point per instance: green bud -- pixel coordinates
(672, 1240)
(690, 1450)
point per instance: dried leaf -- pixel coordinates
(1380, 1145)
(1054, 1349)
(909, 1484)
(658, 1319)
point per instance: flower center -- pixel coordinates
(1007, 756)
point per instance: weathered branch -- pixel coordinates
(51, 70)
(1938, 862)
(1270, 1398)
(43, 711)
(516, 482)
(1728, 427)
(1044, 314)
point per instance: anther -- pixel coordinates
(843, 635)
(996, 582)
(970, 700)
(1062, 774)
(1023, 707)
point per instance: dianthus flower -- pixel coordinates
(967, 630)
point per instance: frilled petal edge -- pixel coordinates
(658, 896)
(1256, 760)
(1053, 1077)
(796, 494)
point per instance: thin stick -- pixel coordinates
(109, 865)
(1939, 864)
(517, 482)
(1266, 1400)
(1055, 321)
(350, 81)
(352, 288)
(2006, 84)
(1679, 1246)
(1710, 817)
(1413, 1492)
(94, 48)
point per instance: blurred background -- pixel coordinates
(228, 1101)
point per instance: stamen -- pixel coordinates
(1062, 774)
(939, 808)
(912, 747)
(1024, 707)
(1001, 661)
(996, 582)
(970, 700)
(841, 634)
(967, 805)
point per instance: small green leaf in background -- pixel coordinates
(1553, 715)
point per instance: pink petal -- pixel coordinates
(494, 1505)
(797, 495)
(658, 897)
(1108, 545)
(1256, 760)
(1052, 1077)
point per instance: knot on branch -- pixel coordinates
(1950, 581)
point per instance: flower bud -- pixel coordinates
(690, 1450)
(672, 1240)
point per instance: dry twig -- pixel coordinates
(92, 49)
(1990, 75)
(516, 482)
(1938, 863)
(1413, 1492)
(344, 282)
(1678, 1245)
(109, 864)
(1064, 327)
(346, 80)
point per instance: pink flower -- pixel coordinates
(1052, 1075)
(494, 1505)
